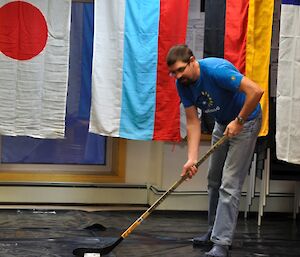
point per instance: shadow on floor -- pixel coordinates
(34, 233)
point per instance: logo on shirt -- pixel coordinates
(233, 78)
(206, 99)
(206, 103)
(213, 110)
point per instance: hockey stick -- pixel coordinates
(81, 251)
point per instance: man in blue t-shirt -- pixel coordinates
(215, 86)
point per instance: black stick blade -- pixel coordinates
(79, 252)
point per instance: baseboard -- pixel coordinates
(123, 196)
(73, 194)
(198, 201)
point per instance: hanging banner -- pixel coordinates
(288, 90)
(132, 95)
(34, 63)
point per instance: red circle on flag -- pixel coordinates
(23, 30)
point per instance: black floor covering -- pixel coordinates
(55, 233)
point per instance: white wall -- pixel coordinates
(144, 162)
(160, 164)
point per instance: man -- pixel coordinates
(215, 86)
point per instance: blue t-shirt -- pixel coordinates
(216, 91)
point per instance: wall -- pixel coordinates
(151, 169)
(159, 165)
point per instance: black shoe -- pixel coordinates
(218, 251)
(203, 240)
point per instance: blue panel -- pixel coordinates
(139, 69)
(87, 56)
(292, 2)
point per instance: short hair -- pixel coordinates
(179, 53)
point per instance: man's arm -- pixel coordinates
(193, 127)
(253, 94)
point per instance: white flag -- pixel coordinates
(34, 63)
(288, 85)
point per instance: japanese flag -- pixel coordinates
(34, 61)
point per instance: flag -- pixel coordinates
(78, 146)
(288, 90)
(34, 63)
(240, 31)
(258, 50)
(248, 34)
(132, 95)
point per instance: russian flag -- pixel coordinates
(132, 95)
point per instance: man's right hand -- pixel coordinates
(189, 168)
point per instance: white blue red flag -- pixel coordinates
(132, 95)
(34, 63)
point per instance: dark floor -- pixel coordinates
(33, 233)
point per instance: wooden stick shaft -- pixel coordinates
(170, 190)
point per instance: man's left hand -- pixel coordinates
(233, 129)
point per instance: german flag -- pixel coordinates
(241, 32)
